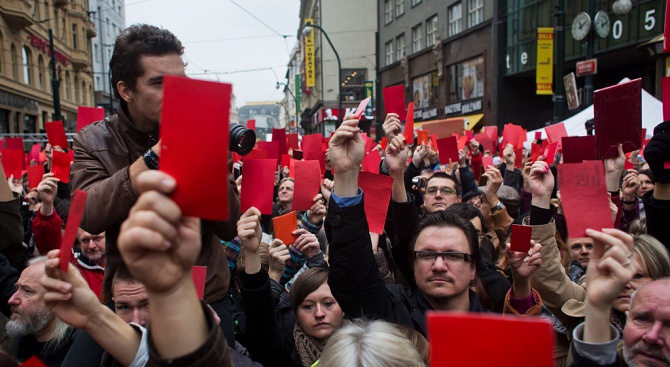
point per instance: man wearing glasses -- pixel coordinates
(91, 261)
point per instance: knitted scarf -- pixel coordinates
(309, 349)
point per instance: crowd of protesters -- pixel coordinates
(339, 295)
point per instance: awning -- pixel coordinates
(469, 120)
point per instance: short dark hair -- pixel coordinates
(467, 211)
(307, 282)
(122, 274)
(134, 42)
(442, 218)
(648, 173)
(440, 174)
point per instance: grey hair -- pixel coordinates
(37, 260)
(366, 344)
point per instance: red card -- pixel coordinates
(383, 143)
(448, 150)
(511, 135)
(196, 157)
(584, 197)
(12, 161)
(422, 137)
(628, 164)
(33, 362)
(518, 162)
(77, 207)
(522, 138)
(292, 141)
(433, 142)
(88, 115)
(271, 148)
(462, 140)
(361, 107)
(535, 152)
(485, 141)
(550, 152)
(579, 148)
(666, 165)
(256, 154)
(409, 124)
(307, 175)
(311, 148)
(14, 143)
(538, 134)
(60, 166)
(284, 226)
(35, 174)
(257, 185)
(469, 135)
(665, 82)
(456, 339)
(618, 118)
(486, 162)
(279, 135)
(369, 144)
(377, 193)
(251, 124)
(199, 276)
(371, 162)
(56, 134)
(555, 132)
(394, 100)
(285, 160)
(445, 128)
(520, 239)
(35, 152)
(492, 132)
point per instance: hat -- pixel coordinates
(573, 308)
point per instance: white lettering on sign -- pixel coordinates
(429, 113)
(452, 108)
(472, 106)
(524, 58)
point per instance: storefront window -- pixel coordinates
(353, 85)
(466, 79)
(29, 124)
(425, 95)
(4, 121)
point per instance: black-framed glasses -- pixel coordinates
(452, 257)
(444, 190)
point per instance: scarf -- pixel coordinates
(309, 349)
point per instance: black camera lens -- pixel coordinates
(242, 140)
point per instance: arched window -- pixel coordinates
(84, 95)
(76, 89)
(67, 84)
(27, 64)
(2, 47)
(40, 71)
(15, 63)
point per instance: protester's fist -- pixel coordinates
(307, 243)
(630, 185)
(396, 155)
(347, 147)
(420, 152)
(47, 188)
(610, 266)
(327, 186)
(317, 212)
(541, 183)
(157, 243)
(249, 230)
(523, 264)
(391, 126)
(279, 255)
(510, 156)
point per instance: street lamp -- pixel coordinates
(306, 30)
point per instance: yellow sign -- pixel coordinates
(544, 77)
(310, 70)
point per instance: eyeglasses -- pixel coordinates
(444, 190)
(86, 240)
(452, 257)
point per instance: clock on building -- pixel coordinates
(581, 26)
(601, 22)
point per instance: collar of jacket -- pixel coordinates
(84, 262)
(128, 129)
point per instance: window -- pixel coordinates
(353, 84)
(417, 38)
(97, 82)
(74, 37)
(455, 19)
(67, 84)
(75, 86)
(1, 44)
(389, 52)
(400, 47)
(109, 27)
(416, 2)
(466, 79)
(95, 53)
(399, 7)
(431, 31)
(25, 59)
(40, 71)
(475, 12)
(388, 11)
(14, 62)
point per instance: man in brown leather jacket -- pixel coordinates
(110, 154)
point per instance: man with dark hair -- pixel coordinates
(110, 154)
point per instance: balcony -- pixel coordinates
(17, 13)
(80, 59)
(60, 2)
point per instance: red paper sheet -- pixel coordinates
(409, 124)
(371, 162)
(35, 174)
(535, 152)
(518, 162)
(251, 124)
(35, 152)
(33, 362)
(628, 164)
(255, 154)
(469, 135)
(520, 239)
(492, 132)
(522, 138)
(307, 175)
(196, 157)
(258, 184)
(271, 148)
(538, 135)
(284, 226)
(12, 162)
(361, 107)
(550, 152)
(555, 132)
(511, 135)
(462, 141)
(422, 137)
(14, 143)
(456, 339)
(56, 134)
(73, 219)
(579, 148)
(486, 162)
(448, 150)
(88, 115)
(444, 128)
(377, 193)
(617, 113)
(394, 100)
(60, 166)
(199, 276)
(584, 197)
(433, 142)
(383, 143)
(485, 142)
(279, 135)
(369, 144)
(292, 141)
(311, 148)
(285, 160)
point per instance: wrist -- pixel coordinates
(541, 201)
(509, 166)
(521, 286)
(47, 209)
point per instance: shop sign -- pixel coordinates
(463, 108)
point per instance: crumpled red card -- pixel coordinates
(33, 362)
(258, 184)
(584, 197)
(199, 276)
(35, 174)
(409, 124)
(422, 137)
(555, 132)
(311, 149)
(77, 207)
(12, 162)
(456, 339)
(88, 115)
(579, 148)
(448, 150)
(394, 100)
(520, 239)
(292, 141)
(377, 193)
(361, 107)
(251, 124)
(196, 157)
(371, 162)
(279, 135)
(56, 134)
(617, 112)
(284, 226)
(550, 152)
(14, 143)
(60, 166)
(307, 175)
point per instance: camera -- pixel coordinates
(419, 182)
(242, 140)
(237, 170)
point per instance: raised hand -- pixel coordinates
(523, 266)
(347, 147)
(47, 191)
(541, 183)
(307, 243)
(392, 126)
(630, 185)
(327, 188)
(279, 255)
(419, 154)
(494, 180)
(396, 155)
(249, 230)
(510, 156)
(317, 212)
(610, 266)
(613, 169)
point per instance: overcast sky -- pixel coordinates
(221, 40)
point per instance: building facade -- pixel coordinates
(26, 78)
(266, 114)
(109, 17)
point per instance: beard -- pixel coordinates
(28, 324)
(630, 353)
